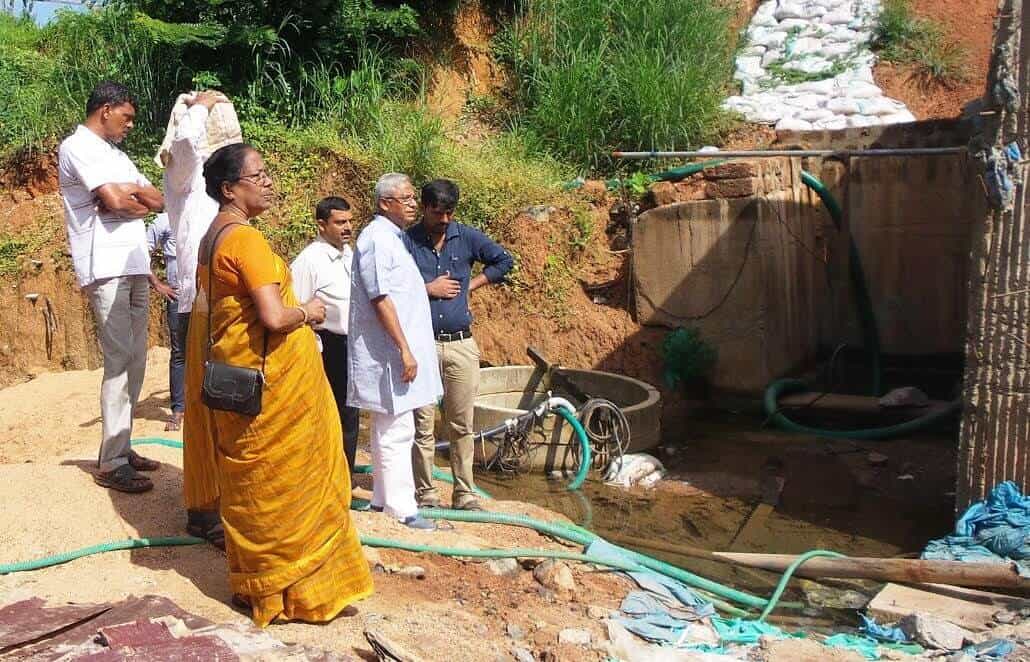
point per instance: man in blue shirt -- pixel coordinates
(445, 251)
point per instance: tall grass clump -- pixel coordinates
(598, 75)
(903, 37)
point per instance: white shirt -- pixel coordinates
(383, 266)
(320, 269)
(190, 209)
(103, 244)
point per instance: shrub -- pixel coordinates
(904, 37)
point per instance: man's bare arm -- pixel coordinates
(151, 198)
(121, 199)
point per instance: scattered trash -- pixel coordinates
(32, 296)
(633, 469)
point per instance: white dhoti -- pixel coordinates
(393, 483)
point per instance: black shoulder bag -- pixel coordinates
(229, 387)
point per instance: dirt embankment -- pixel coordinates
(969, 24)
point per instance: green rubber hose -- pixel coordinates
(134, 543)
(871, 340)
(783, 387)
(438, 474)
(863, 302)
(584, 445)
(788, 573)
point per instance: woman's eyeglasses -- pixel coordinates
(259, 177)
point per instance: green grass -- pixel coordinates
(596, 75)
(903, 37)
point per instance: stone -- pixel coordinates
(538, 213)
(598, 613)
(575, 637)
(876, 459)
(555, 575)
(503, 567)
(529, 564)
(934, 632)
(734, 170)
(375, 561)
(415, 571)
(523, 655)
(515, 631)
(730, 188)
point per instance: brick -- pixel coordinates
(735, 170)
(690, 190)
(662, 193)
(594, 189)
(730, 188)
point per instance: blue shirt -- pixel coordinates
(160, 235)
(462, 247)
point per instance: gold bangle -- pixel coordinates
(304, 313)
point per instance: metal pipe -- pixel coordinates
(847, 153)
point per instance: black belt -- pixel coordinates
(461, 334)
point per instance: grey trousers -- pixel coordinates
(121, 307)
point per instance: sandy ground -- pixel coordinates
(49, 433)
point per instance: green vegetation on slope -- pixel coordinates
(904, 37)
(592, 76)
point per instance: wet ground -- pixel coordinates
(835, 495)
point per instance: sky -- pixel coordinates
(44, 11)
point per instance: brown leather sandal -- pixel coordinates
(123, 479)
(140, 463)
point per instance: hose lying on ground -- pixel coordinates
(569, 532)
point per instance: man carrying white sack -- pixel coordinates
(200, 123)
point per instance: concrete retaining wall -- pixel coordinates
(910, 219)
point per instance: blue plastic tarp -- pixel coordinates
(994, 530)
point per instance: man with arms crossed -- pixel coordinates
(392, 367)
(445, 251)
(105, 200)
(323, 270)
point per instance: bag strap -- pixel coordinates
(211, 298)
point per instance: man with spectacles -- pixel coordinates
(392, 368)
(445, 252)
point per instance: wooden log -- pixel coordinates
(909, 571)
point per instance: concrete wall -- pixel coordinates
(910, 217)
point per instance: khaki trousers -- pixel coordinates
(459, 370)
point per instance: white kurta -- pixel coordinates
(190, 209)
(383, 266)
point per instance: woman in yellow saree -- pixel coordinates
(283, 481)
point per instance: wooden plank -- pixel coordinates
(964, 607)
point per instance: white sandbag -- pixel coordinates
(826, 87)
(804, 101)
(843, 34)
(881, 106)
(901, 117)
(632, 468)
(859, 89)
(804, 46)
(863, 120)
(793, 124)
(771, 55)
(832, 123)
(749, 67)
(651, 479)
(843, 106)
(837, 17)
(815, 114)
(837, 48)
(789, 10)
(768, 113)
(792, 23)
(768, 38)
(809, 65)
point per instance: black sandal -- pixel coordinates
(140, 463)
(207, 526)
(124, 479)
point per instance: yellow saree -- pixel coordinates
(284, 484)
